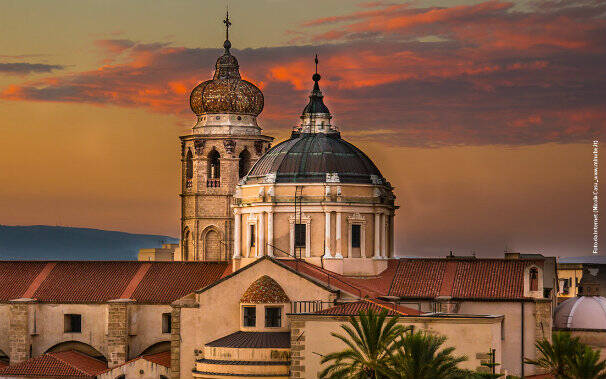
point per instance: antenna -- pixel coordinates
(596, 182)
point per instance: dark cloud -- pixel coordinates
(23, 68)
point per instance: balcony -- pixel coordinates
(213, 183)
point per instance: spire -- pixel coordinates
(316, 102)
(227, 44)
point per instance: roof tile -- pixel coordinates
(63, 364)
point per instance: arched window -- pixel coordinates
(185, 245)
(244, 165)
(189, 165)
(214, 165)
(534, 279)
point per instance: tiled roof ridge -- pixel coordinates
(135, 280)
(39, 279)
(55, 355)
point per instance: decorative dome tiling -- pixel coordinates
(264, 290)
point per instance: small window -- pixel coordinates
(166, 322)
(250, 316)
(252, 236)
(189, 165)
(72, 323)
(300, 235)
(273, 317)
(355, 235)
(534, 279)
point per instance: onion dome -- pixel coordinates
(585, 312)
(264, 290)
(227, 92)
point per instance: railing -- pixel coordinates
(310, 306)
(213, 183)
(318, 270)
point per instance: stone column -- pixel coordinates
(117, 332)
(327, 237)
(377, 236)
(392, 237)
(19, 338)
(383, 235)
(237, 233)
(175, 342)
(270, 233)
(248, 238)
(261, 247)
(338, 254)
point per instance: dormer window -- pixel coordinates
(534, 279)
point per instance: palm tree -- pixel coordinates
(369, 341)
(421, 355)
(555, 356)
(586, 364)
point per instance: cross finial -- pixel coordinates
(316, 60)
(227, 25)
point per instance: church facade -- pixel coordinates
(279, 247)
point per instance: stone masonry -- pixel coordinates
(117, 332)
(19, 333)
(175, 343)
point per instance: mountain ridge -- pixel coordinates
(45, 242)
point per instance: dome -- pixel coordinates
(227, 92)
(315, 158)
(585, 312)
(264, 290)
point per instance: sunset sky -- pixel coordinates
(480, 113)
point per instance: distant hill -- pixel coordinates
(65, 243)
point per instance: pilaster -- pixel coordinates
(19, 333)
(117, 332)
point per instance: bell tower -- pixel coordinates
(224, 144)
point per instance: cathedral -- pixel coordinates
(279, 246)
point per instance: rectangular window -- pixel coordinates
(252, 236)
(355, 235)
(250, 316)
(166, 322)
(72, 323)
(273, 317)
(300, 235)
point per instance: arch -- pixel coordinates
(244, 164)
(214, 164)
(185, 241)
(189, 165)
(212, 244)
(158, 347)
(533, 277)
(77, 346)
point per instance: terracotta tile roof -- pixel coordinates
(100, 281)
(56, 365)
(257, 340)
(431, 277)
(162, 359)
(264, 290)
(16, 277)
(354, 308)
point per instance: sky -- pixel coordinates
(480, 113)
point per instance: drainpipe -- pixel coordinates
(522, 337)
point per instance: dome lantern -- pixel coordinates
(316, 116)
